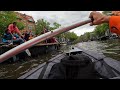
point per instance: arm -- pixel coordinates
(9, 28)
(18, 31)
(99, 18)
(114, 21)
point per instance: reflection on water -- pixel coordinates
(110, 48)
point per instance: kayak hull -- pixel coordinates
(106, 66)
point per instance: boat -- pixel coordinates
(28, 44)
(36, 50)
(106, 67)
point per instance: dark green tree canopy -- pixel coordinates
(6, 18)
(42, 23)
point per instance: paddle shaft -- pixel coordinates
(18, 49)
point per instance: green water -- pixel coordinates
(110, 48)
(16, 69)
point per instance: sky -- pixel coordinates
(64, 18)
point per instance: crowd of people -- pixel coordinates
(12, 35)
(51, 40)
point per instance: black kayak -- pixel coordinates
(76, 64)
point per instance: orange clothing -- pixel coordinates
(114, 24)
(13, 29)
(31, 37)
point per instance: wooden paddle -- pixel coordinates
(18, 49)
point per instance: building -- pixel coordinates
(27, 20)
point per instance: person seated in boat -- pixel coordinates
(11, 38)
(45, 30)
(53, 40)
(99, 18)
(7, 37)
(26, 35)
(31, 37)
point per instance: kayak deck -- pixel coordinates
(36, 72)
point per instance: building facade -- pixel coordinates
(27, 20)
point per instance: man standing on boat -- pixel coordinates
(114, 21)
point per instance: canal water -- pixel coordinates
(110, 48)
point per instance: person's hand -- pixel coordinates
(14, 38)
(22, 36)
(98, 18)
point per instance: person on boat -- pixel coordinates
(51, 40)
(11, 39)
(7, 37)
(15, 33)
(26, 35)
(31, 36)
(99, 18)
(12, 35)
(14, 29)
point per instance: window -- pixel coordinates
(30, 27)
(31, 20)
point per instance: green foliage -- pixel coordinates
(106, 12)
(85, 37)
(101, 29)
(41, 24)
(6, 18)
(20, 25)
(71, 36)
(56, 25)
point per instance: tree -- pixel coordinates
(20, 25)
(56, 25)
(41, 24)
(101, 29)
(7, 17)
(107, 12)
(71, 36)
